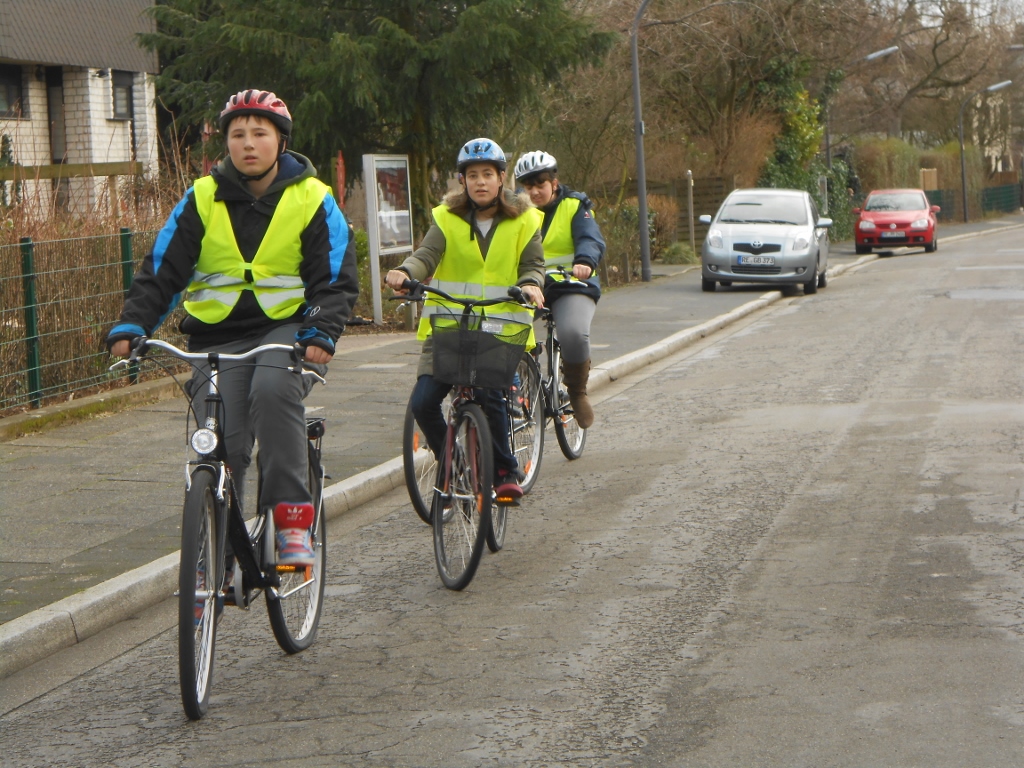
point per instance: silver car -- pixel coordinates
(766, 236)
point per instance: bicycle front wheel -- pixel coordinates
(527, 410)
(198, 585)
(462, 502)
(570, 435)
(295, 609)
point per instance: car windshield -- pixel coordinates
(896, 201)
(763, 209)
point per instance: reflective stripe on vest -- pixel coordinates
(559, 249)
(222, 273)
(464, 272)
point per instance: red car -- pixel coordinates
(896, 217)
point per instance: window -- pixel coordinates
(10, 90)
(122, 82)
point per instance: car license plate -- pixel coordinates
(764, 261)
(890, 233)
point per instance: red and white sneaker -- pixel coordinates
(294, 542)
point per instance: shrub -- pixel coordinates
(679, 253)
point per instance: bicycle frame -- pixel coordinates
(215, 459)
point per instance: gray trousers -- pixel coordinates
(573, 313)
(265, 404)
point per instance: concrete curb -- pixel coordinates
(13, 427)
(36, 635)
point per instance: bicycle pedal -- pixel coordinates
(289, 568)
(507, 501)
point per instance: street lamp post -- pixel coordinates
(960, 123)
(828, 111)
(641, 171)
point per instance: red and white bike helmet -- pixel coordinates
(256, 102)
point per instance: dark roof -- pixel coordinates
(77, 33)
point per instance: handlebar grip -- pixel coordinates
(138, 347)
(410, 285)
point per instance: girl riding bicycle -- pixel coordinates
(573, 241)
(483, 239)
(264, 255)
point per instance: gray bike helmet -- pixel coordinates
(535, 162)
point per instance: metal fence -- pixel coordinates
(1004, 198)
(58, 299)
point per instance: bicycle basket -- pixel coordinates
(477, 352)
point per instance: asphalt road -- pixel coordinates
(795, 543)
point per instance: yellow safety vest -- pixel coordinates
(464, 272)
(222, 273)
(559, 249)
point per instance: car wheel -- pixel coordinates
(708, 286)
(933, 246)
(823, 279)
(811, 286)
(862, 249)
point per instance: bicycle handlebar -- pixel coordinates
(144, 343)
(416, 290)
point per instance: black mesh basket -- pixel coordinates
(477, 352)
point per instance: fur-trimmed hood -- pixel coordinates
(520, 202)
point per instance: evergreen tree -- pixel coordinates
(415, 77)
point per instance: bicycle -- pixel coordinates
(524, 406)
(571, 437)
(472, 352)
(213, 518)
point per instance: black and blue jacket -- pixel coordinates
(327, 268)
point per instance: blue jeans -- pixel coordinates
(427, 396)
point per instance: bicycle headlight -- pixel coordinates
(204, 441)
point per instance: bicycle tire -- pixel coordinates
(497, 528)
(419, 465)
(461, 507)
(527, 433)
(199, 604)
(295, 609)
(571, 437)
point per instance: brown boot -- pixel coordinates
(576, 376)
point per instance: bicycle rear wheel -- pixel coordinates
(571, 436)
(527, 434)
(295, 610)
(419, 464)
(462, 504)
(198, 586)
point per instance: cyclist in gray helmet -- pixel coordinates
(573, 241)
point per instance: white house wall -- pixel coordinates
(93, 135)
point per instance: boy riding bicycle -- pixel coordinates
(572, 241)
(264, 255)
(483, 239)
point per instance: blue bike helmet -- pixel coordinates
(481, 151)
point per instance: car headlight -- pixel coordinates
(800, 244)
(204, 441)
(715, 238)
(866, 225)
(919, 224)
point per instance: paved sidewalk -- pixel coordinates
(85, 502)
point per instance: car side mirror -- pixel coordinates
(824, 223)
(936, 209)
(857, 211)
(704, 219)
